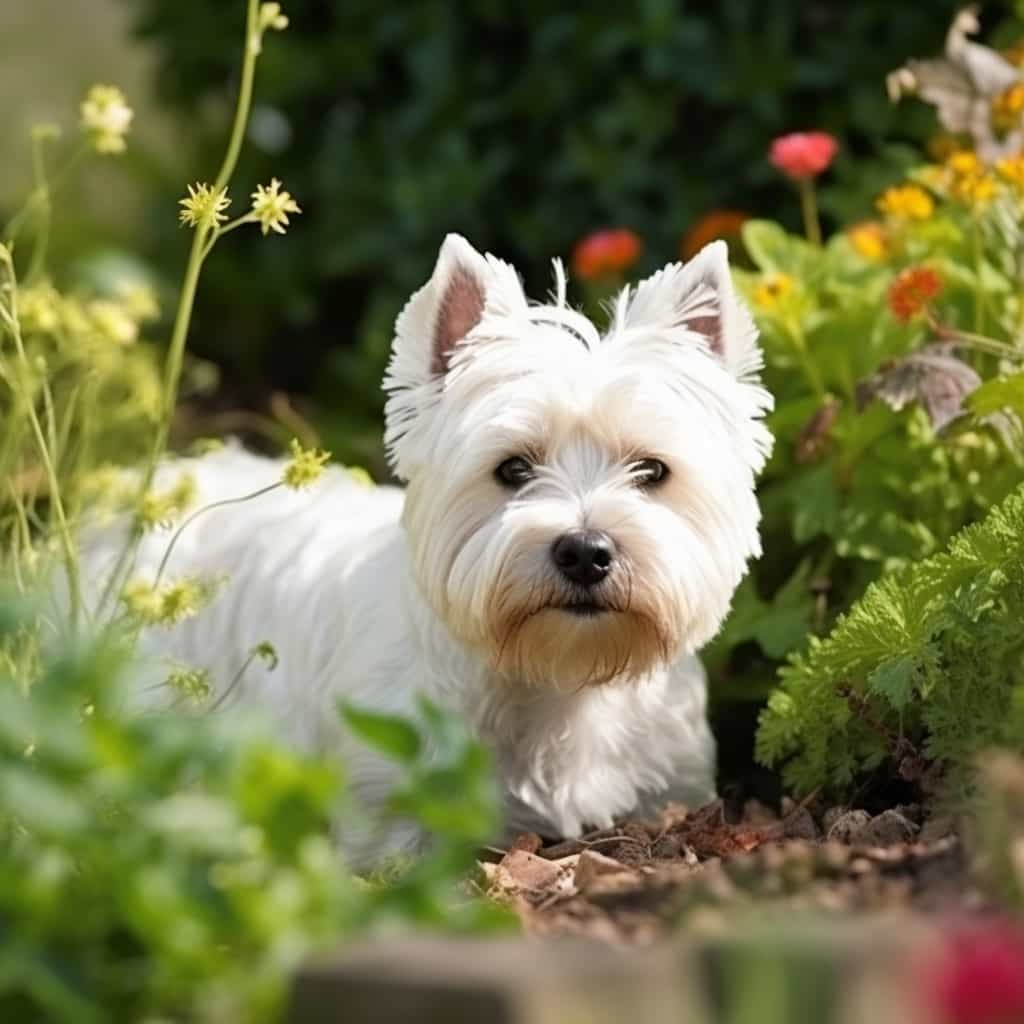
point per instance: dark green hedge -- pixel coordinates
(523, 125)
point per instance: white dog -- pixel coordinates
(580, 509)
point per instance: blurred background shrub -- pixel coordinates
(524, 126)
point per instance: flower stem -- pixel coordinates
(201, 245)
(10, 318)
(979, 290)
(202, 511)
(809, 209)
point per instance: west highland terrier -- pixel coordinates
(578, 513)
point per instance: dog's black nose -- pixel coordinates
(584, 556)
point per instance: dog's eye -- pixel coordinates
(514, 472)
(649, 472)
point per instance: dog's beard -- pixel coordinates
(546, 636)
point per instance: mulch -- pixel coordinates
(640, 881)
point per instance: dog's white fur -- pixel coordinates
(449, 589)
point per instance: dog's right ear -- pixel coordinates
(435, 321)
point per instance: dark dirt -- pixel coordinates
(640, 880)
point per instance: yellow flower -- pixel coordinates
(106, 118)
(1006, 108)
(112, 322)
(169, 604)
(974, 189)
(869, 240)
(969, 179)
(772, 289)
(305, 467)
(964, 162)
(270, 16)
(272, 206)
(192, 684)
(161, 508)
(203, 207)
(1012, 169)
(39, 309)
(906, 202)
(138, 300)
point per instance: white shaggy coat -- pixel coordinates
(449, 588)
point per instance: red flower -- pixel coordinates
(980, 977)
(911, 290)
(803, 154)
(716, 224)
(605, 253)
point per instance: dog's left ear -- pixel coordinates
(699, 297)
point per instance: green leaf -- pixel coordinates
(997, 395)
(388, 734)
(895, 680)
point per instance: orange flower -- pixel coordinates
(716, 224)
(911, 291)
(803, 154)
(606, 253)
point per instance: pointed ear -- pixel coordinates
(699, 297)
(442, 312)
(429, 329)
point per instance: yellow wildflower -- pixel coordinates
(139, 300)
(39, 309)
(272, 206)
(305, 467)
(203, 207)
(112, 322)
(106, 118)
(161, 508)
(964, 162)
(1012, 170)
(906, 202)
(869, 240)
(772, 289)
(270, 16)
(193, 684)
(974, 189)
(169, 604)
(1007, 107)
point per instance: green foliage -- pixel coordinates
(927, 665)
(524, 126)
(178, 865)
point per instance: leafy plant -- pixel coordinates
(177, 865)
(924, 671)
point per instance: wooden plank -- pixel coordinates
(497, 981)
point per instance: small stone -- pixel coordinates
(886, 829)
(847, 825)
(799, 824)
(756, 813)
(937, 827)
(831, 816)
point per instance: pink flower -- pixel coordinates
(605, 253)
(980, 977)
(803, 154)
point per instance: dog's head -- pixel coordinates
(580, 507)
